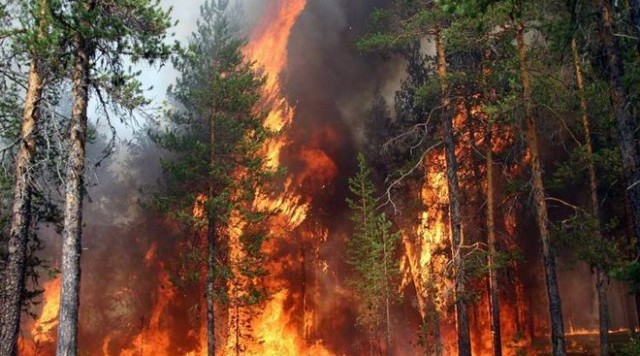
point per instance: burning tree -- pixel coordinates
(216, 171)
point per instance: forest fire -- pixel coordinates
(273, 330)
(154, 298)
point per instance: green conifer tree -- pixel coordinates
(372, 256)
(215, 134)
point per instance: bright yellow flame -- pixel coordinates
(48, 320)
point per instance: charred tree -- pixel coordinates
(455, 216)
(539, 201)
(14, 273)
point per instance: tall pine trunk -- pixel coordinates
(74, 192)
(494, 299)
(14, 273)
(455, 216)
(601, 276)
(211, 245)
(625, 121)
(540, 203)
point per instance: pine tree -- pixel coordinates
(41, 42)
(100, 35)
(216, 133)
(372, 256)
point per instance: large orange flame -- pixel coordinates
(41, 336)
(155, 339)
(273, 330)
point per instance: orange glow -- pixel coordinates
(43, 329)
(150, 256)
(155, 339)
(278, 335)
(42, 332)
(275, 330)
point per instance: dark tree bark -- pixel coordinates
(602, 282)
(67, 343)
(634, 15)
(211, 246)
(455, 216)
(553, 292)
(387, 296)
(14, 273)
(625, 121)
(494, 299)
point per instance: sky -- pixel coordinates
(186, 13)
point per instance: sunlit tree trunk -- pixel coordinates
(14, 273)
(539, 200)
(455, 216)
(72, 232)
(601, 276)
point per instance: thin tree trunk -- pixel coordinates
(553, 292)
(72, 232)
(211, 246)
(237, 325)
(14, 273)
(494, 299)
(387, 294)
(462, 314)
(626, 122)
(601, 277)
(436, 333)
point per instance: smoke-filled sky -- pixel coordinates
(186, 12)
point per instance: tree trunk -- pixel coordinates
(634, 15)
(494, 300)
(211, 246)
(553, 292)
(14, 273)
(387, 296)
(437, 337)
(237, 310)
(626, 122)
(601, 277)
(72, 232)
(462, 314)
